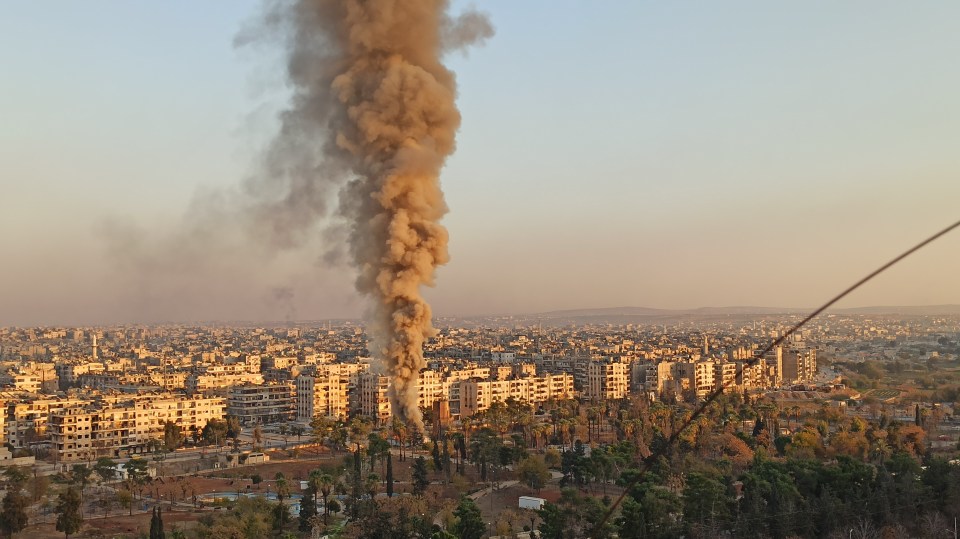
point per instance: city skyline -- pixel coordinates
(657, 156)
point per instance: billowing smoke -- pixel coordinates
(373, 109)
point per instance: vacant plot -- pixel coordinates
(884, 394)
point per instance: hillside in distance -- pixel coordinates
(647, 314)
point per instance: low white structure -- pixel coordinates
(530, 502)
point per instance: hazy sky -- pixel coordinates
(660, 154)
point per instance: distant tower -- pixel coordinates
(94, 346)
(706, 345)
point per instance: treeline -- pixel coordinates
(831, 476)
(793, 498)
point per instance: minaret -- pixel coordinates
(706, 345)
(94, 346)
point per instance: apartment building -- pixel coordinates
(642, 372)
(85, 431)
(725, 375)
(501, 372)
(704, 378)
(433, 386)
(327, 391)
(190, 413)
(773, 367)
(524, 369)
(373, 400)
(17, 381)
(68, 372)
(169, 380)
(262, 404)
(25, 419)
(199, 383)
(477, 395)
(799, 364)
(71, 430)
(318, 395)
(607, 380)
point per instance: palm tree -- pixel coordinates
(283, 491)
(555, 419)
(399, 431)
(566, 430)
(324, 483)
(628, 427)
(592, 417)
(466, 425)
(880, 451)
(523, 418)
(377, 448)
(539, 432)
(661, 418)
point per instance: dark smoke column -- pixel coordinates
(369, 81)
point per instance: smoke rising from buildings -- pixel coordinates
(373, 110)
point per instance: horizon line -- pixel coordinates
(555, 313)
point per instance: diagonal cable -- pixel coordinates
(647, 463)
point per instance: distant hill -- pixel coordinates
(648, 311)
(608, 311)
(621, 313)
(926, 310)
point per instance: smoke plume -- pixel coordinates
(373, 109)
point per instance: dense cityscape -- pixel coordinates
(425, 269)
(534, 408)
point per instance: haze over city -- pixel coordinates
(427, 269)
(609, 154)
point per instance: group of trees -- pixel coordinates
(247, 518)
(216, 432)
(13, 511)
(830, 475)
(23, 490)
(748, 467)
(793, 497)
(412, 518)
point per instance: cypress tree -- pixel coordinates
(69, 518)
(308, 508)
(156, 524)
(437, 463)
(389, 474)
(420, 480)
(446, 458)
(469, 520)
(13, 517)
